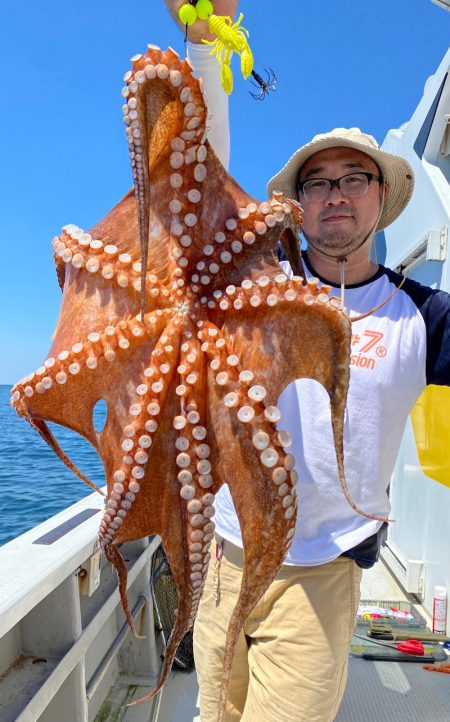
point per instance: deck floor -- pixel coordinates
(376, 691)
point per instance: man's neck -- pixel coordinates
(358, 268)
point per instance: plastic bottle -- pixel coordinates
(439, 609)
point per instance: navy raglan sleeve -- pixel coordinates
(434, 306)
(436, 314)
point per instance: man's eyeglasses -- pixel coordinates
(351, 185)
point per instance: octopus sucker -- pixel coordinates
(176, 312)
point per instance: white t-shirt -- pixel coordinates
(387, 375)
(395, 352)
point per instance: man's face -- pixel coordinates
(339, 224)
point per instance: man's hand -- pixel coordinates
(199, 30)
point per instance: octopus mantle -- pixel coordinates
(176, 313)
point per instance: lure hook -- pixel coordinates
(265, 85)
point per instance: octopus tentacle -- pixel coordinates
(63, 369)
(138, 433)
(264, 448)
(195, 493)
(195, 470)
(79, 249)
(276, 292)
(98, 345)
(147, 138)
(239, 232)
(42, 428)
(271, 291)
(115, 557)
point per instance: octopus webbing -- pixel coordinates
(176, 312)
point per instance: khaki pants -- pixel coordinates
(292, 655)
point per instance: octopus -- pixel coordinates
(177, 314)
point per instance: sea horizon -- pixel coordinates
(34, 483)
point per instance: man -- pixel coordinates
(292, 656)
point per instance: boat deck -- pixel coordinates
(66, 652)
(376, 691)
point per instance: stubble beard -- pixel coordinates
(337, 244)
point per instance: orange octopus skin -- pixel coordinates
(180, 317)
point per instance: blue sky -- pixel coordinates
(63, 151)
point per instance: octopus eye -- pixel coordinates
(100, 415)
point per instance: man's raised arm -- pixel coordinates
(208, 69)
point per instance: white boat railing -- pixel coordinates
(64, 639)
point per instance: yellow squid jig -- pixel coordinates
(230, 38)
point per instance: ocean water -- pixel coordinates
(34, 483)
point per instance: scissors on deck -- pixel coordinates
(410, 646)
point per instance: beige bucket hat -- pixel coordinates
(396, 171)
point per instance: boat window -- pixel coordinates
(424, 132)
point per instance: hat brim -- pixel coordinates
(396, 171)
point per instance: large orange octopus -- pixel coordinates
(180, 317)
